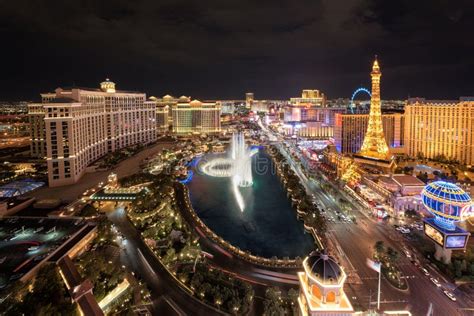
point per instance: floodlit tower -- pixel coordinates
(374, 145)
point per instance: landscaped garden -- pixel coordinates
(156, 215)
(46, 294)
(311, 213)
(388, 257)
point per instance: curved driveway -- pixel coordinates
(159, 281)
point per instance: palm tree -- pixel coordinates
(379, 247)
(392, 255)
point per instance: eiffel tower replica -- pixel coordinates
(374, 150)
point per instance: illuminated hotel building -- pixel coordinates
(267, 105)
(162, 119)
(196, 117)
(350, 129)
(435, 128)
(309, 117)
(310, 98)
(37, 130)
(249, 97)
(167, 102)
(81, 125)
(229, 106)
(163, 112)
(311, 122)
(322, 287)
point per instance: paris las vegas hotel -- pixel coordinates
(429, 128)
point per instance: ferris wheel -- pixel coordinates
(354, 94)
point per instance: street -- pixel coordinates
(164, 288)
(355, 244)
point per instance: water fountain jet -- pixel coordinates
(237, 166)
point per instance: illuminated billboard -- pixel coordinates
(456, 241)
(434, 234)
(447, 239)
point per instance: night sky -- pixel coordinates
(221, 49)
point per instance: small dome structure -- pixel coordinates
(322, 286)
(107, 86)
(323, 267)
(195, 103)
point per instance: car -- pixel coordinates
(40, 257)
(450, 295)
(435, 282)
(16, 276)
(425, 272)
(407, 253)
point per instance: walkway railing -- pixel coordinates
(183, 193)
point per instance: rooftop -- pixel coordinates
(72, 276)
(324, 267)
(406, 180)
(62, 100)
(425, 101)
(19, 187)
(96, 89)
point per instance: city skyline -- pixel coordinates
(205, 50)
(237, 158)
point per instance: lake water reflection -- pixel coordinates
(268, 225)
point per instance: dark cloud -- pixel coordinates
(220, 49)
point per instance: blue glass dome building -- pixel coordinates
(446, 202)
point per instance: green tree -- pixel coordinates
(234, 305)
(379, 247)
(48, 296)
(392, 255)
(273, 303)
(471, 269)
(457, 268)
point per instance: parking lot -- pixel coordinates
(26, 242)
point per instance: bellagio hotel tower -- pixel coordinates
(74, 127)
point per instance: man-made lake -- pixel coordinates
(268, 225)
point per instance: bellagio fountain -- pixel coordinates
(237, 165)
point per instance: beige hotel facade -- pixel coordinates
(76, 126)
(434, 128)
(196, 117)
